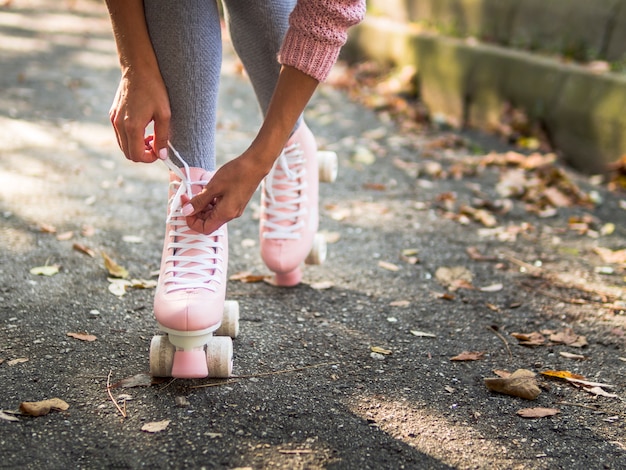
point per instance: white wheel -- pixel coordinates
(230, 320)
(328, 165)
(317, 255)
(161, 356)
(219, 357)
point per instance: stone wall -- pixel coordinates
(520, 54)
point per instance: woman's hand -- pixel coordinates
(226, 196)
(141, 96)
(139, 100)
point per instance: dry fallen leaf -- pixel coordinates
(19, 360)
(492, 288)
(247, 277)
(530, 339)
(455, 277)
(113, 268)
(7, 417)
(537, 412)
(84, 249)
(521, 383)
(469, 356)
(40, 408)
(82, 336)
(610, 256)
(388, 266)
(562, 374)
(598, 391)
(322, 285)
(48, 270)
(65, 236)
(572, 356)
(422, 334)
(379, 350)
(47, 228)
(155, 426)
(569, 338)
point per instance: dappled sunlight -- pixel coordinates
(452, 442)
(16, 134)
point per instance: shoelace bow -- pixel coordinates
(194, 261)
(285, 197)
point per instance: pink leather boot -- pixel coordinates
(289, 208)
(189, 299)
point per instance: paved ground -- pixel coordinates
(311, 391)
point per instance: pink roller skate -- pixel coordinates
(289, 207)
(189, 301)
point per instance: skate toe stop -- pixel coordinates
(190, 365)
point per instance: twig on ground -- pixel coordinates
(122, 412)
(502, 338)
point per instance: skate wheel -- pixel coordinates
(161, 356)
(317, 255)
(219, 357)
(230, 320)
(328, 166)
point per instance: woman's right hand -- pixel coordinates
(141, 98)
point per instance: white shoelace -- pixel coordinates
(285, 197)
(202, 270)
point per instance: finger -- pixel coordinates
(136, 147)
(161, 134)
(201, 202)
(206, 222)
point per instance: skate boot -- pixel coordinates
(289, 208)
(189, 303)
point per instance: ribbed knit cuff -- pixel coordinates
(308, 56)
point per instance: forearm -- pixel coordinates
(293, 91)
(131, 36)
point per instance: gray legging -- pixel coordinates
(186, 37)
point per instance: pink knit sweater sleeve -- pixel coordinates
(317, 31)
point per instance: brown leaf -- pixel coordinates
(569, 338)
(65, 236)
(82, 336)
(40, 408)
(388, 266)
(455, 277)
(530, 339)
(113, 268)
(84, 249)
(247, 277)
(610, 256)
(19, 360)
(47, 228)
(469, 356)
(155, 426)
(521, 383)
(537, 412)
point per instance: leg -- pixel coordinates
(257, 29)
(189, 299)
(186, 37)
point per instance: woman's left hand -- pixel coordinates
(225, 197)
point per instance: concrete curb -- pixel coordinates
(470, 83)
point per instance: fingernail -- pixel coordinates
(163, 154)
(187, 210)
